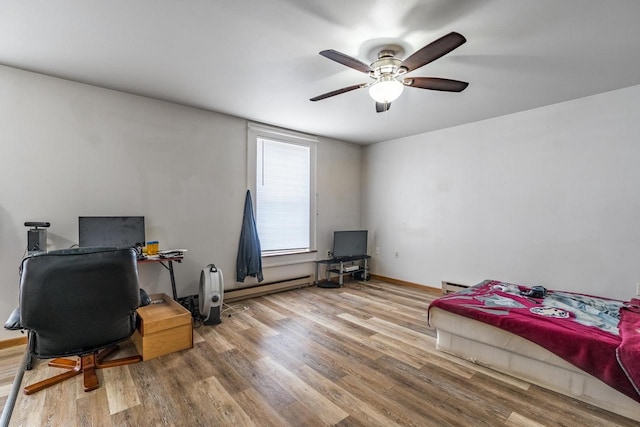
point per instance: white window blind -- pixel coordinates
(283, 195)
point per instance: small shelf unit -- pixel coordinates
(340, 268)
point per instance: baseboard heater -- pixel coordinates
(267, 288)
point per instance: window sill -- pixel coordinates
(277, 259)
(284, 253)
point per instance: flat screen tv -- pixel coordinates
(111, 231)
(348, 244)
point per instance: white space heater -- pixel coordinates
(211, 294)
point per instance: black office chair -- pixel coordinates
(78, 302)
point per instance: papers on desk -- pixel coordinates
(170, 253)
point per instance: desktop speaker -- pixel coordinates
(36, 240)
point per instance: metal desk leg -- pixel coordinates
(173, 281)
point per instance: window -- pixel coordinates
(281, 175)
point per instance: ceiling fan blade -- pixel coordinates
(435, 83)
(382, 106)
(347, 60)
(433, 51)
(337, 92)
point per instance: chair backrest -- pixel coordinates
(77, 301)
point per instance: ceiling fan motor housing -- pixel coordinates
(387, 64)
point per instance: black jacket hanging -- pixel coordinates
(249, 260)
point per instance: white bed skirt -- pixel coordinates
(511, 354)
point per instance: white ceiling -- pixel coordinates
(258, 59)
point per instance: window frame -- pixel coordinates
(258, 131)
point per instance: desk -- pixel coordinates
(168, 266)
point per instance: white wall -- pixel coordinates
(548, 196)
(69, 149)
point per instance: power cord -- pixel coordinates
(191, 303)
(234, 309)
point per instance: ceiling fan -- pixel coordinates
(387, 71)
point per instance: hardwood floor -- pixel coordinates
(361, 355)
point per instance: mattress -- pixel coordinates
(503, 351)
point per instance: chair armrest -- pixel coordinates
(13, 322)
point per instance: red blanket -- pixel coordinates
(628, 351)
(581, 329)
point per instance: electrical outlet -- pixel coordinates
(397, 254)
(328, 254)
(377, 250)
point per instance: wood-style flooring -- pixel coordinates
(361, 355)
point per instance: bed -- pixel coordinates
(579, 345)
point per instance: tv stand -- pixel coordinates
(339, 267)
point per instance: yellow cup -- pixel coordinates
(152, 247)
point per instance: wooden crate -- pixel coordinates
(162, 328)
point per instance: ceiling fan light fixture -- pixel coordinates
(386, 90)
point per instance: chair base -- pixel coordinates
(86, 365)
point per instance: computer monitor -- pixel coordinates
(111, 231)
